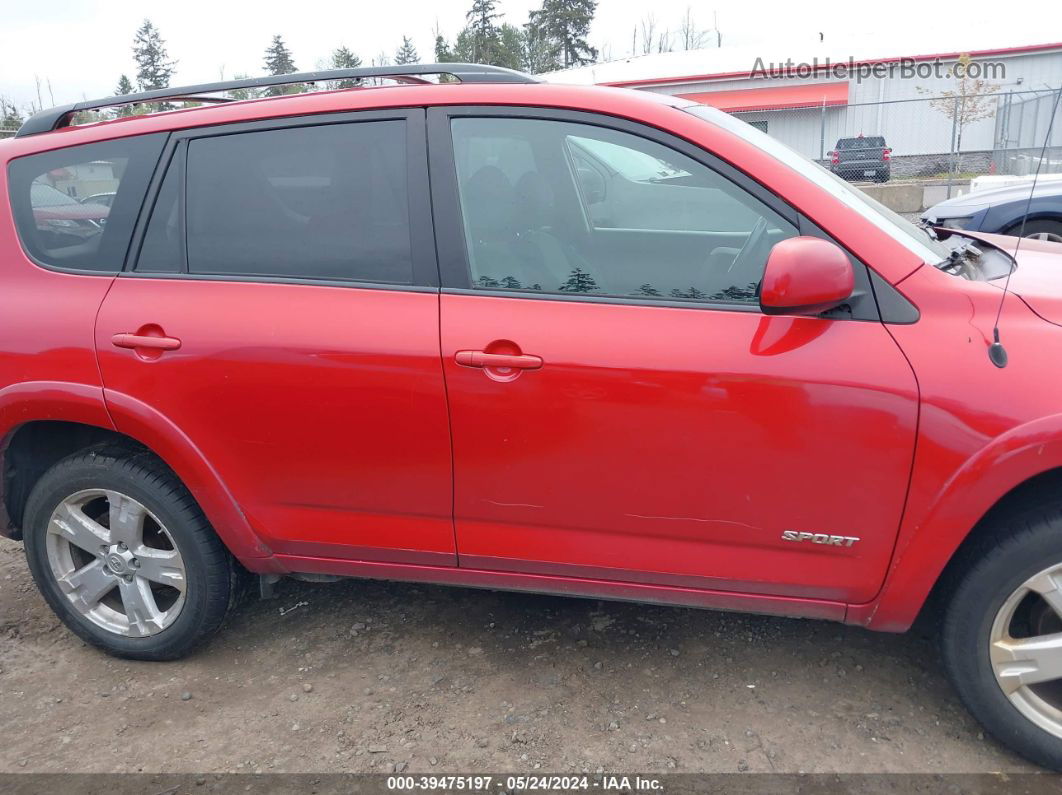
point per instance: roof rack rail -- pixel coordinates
(60, 116)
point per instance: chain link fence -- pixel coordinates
(946, 138)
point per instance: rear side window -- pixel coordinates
(324, 202)
(76, 207)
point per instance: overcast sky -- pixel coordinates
(83, 46)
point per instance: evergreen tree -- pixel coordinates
(278, 61)
(443, 53)
(153, 65)
(407, 53)
(344, 58)
(484, 34)
(510, 52)
(647, 289)
(579, 281)
(540, 52)
(125, 86)
(567, 24)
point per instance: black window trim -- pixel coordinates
(425, 276)
(449, 228)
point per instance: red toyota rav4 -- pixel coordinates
(494, 333)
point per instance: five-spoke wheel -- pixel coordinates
(116, 562)
(124, 555)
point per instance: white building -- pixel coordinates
(809, 97)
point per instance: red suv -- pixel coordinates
(494, 333)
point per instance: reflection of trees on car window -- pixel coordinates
(579, 281)
(735, 293)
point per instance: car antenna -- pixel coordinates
(996, 352)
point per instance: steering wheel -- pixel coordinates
(752, 244)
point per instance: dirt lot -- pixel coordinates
(372, 677)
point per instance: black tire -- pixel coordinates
(1029, 543)
(1038, 226)
(212, 575)
(883, 175)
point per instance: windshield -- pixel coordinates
(914, 238)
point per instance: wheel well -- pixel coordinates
(33, 448)
(1036, 491)
(1016, 227)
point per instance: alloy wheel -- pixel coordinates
(1050, 236)
(116, 563)
(1026, 649)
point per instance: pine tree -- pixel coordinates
(407, 53)
(647, 289)
(510, 53)
(485, 36)
(579, 281)
(541, 52)
(278, 61)
(443, 53)
(344, 58)
(153, 65)
(125, 86)
(567, 24)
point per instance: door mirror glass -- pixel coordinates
(805, 276)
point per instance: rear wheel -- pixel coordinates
(124, 556)
(1039, 229)
(1002, 640)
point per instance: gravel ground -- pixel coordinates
(365, 676)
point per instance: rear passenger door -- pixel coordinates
(280, 309)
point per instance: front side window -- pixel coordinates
(323, 202)
(76, 207)
(566, 208)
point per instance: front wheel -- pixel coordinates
(1002, 640)
(1039, 229)
(124, 556)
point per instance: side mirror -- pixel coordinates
(805, 276)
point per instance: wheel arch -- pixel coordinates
(1013, 226)
(42, 423)
(1020, 465)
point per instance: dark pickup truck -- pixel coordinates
(860, 158)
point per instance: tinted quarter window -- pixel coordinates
(327, 202)
(551, 206)
(76, 207)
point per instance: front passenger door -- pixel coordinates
(621, 409)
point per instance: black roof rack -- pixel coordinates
(54, 118)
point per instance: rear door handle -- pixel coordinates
(145, 341)
(515, 361)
